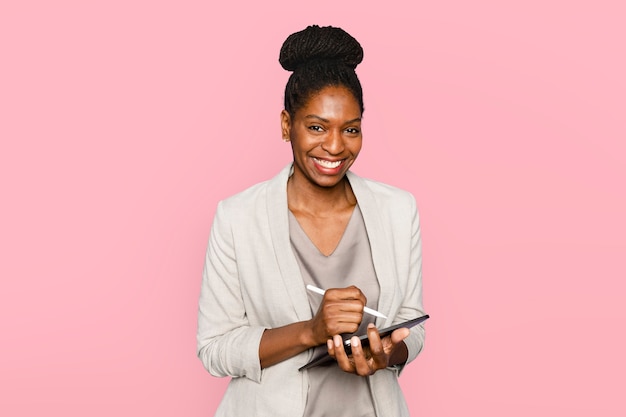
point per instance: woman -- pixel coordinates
(314, 223)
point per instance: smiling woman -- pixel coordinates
(326, 137)
(316, 223)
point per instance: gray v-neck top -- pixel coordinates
(331, 391)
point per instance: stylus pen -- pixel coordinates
(365, 309)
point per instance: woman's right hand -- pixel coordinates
(341, 311)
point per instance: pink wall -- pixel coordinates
(124, 122)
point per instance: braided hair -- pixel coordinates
(320, 57)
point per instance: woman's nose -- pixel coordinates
(333, 143)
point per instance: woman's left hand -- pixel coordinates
(380, 354)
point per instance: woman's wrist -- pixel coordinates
(307, 335)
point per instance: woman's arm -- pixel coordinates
(227, 342)
(341, 311)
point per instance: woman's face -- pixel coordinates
(325, 136)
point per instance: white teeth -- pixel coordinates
(328, 164)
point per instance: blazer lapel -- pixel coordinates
(381, 250)
(277, 211)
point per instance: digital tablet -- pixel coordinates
(364, 341)
(383, 333)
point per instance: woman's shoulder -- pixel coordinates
(381, 191)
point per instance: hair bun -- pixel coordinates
(320, 44)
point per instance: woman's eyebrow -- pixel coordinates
(313, 116)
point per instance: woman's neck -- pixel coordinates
(305, 197)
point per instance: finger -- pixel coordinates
(380, 356)
(343, 307)
(339, 324)
(343, 317)
(348, 293)
(399, 335)
(358, 295)
(361, 365)
(394, 339)
(331, 347)
(340, 355)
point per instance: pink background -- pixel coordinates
(124, 122)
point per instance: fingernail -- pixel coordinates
(329, 344)
(337, 340)
(355, 341)
(371, 326)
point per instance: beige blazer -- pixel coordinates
(252, 281)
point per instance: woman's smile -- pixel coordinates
(328, 164)
(327, 167)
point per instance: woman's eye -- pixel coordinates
(352, 130)
(316, 128)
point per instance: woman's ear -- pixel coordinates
(285, 125)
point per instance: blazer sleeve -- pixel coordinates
(415, 341)
(227, 344)
(412, 306)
